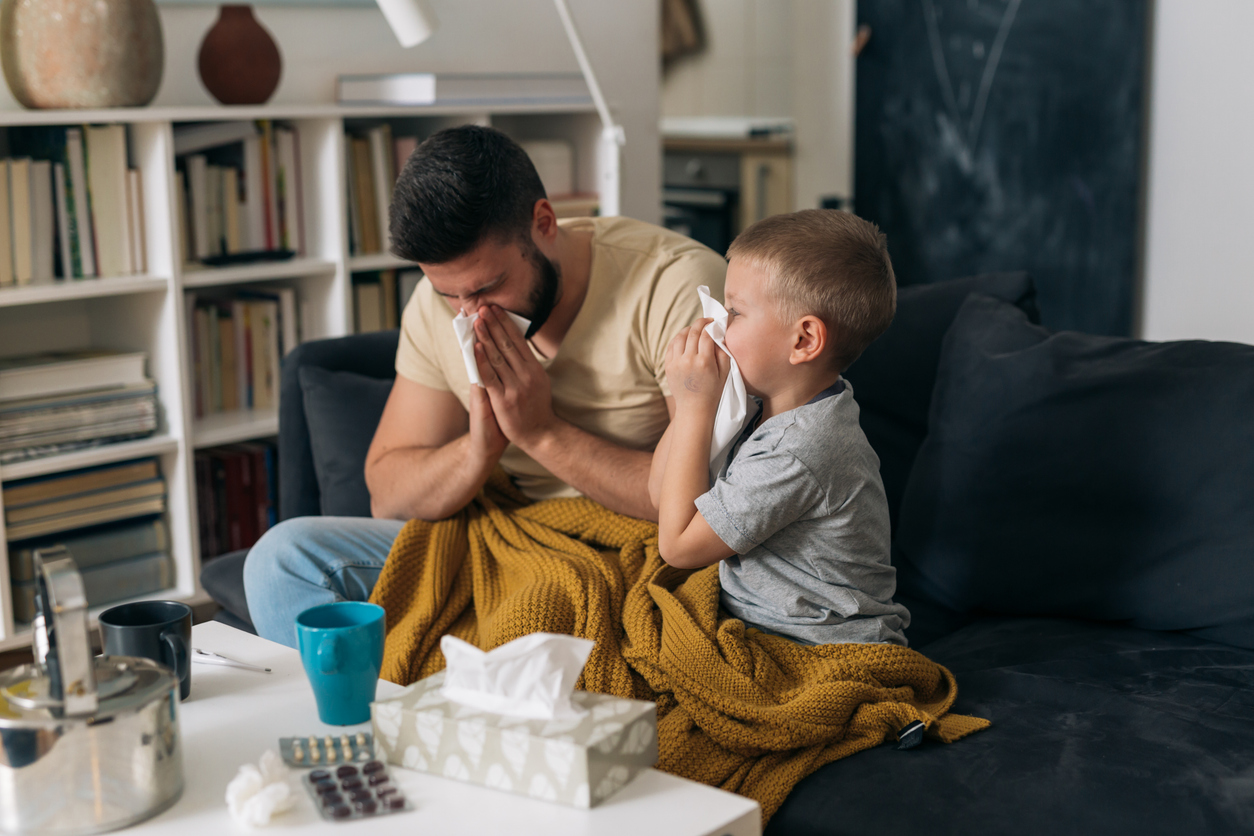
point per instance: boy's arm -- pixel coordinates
(685, 539)
(696, 369)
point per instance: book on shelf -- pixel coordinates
(20, 218)
(376, 301)
(237, 344)
(106, 183)
(83, 239)
(62, 485)
(236, 495)
(96, 546)
(131, 492)
(53, 373)
(122, 579)
(6, 230)
(45, 248)
(407, 282)
(241, 192)
(464, 89)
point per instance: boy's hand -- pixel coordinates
(696, 368)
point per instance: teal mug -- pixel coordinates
(341, 647)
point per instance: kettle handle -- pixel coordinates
(63, 601)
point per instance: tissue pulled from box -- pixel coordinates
(532, 676)
(463, 327)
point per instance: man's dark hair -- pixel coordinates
(459, 188)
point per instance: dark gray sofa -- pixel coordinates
(1074, 535)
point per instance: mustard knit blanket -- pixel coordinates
(737, 708)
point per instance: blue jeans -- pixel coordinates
(307, 561)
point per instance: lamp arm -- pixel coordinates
(610, 128)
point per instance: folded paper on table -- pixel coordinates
(733, 406)
(579, 761)
(532, 676)
(463, 327)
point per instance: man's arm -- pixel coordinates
(429, 457)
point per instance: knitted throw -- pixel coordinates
(737, 708)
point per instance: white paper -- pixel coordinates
(733, 406)
(532, 676)
(463, 327)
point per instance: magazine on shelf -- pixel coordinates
(95, 546)
(53, 373)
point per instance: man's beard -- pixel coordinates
(545, 295)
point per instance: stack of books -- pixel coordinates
(70, 206)
(240, 184)
(120, 559)
(237, 343)
(53, 403)
(379, 297)
(236, 495)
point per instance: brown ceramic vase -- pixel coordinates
(239, 62)
(81, 53)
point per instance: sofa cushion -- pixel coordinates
(893, 378)
(342, 410)
(1083, 476)
(1096, 729)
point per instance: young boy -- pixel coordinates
(797, 515)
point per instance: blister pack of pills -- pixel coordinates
(349, 791)
(326, 750)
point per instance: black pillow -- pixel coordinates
(342, 410)
(1083, 476)
(893, 379)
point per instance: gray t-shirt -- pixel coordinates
(801, 502)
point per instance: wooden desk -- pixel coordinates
(766, 186)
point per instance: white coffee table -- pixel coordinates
(234, 715)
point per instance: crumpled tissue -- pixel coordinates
(733, 405)
(463, 327)
(258, 793)
(532, 676)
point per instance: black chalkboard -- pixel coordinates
(1007, 135)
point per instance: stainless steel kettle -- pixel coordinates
(87, 744)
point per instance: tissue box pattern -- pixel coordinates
(579, 762)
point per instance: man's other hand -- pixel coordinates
(486, 438)
(517, 385)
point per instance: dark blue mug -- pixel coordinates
(341, 647)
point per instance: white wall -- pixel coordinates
(474, 36)
(778, 58)
(1199, 258)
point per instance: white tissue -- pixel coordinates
(258, 793)
(532, 676)
(733, 406)
(463, 327)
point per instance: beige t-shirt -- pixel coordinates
(608, 377)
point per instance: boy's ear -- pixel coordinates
(809, 340)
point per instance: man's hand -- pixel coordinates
(486, 438)
(697, 369)
(517, 385)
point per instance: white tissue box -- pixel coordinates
(581, 761)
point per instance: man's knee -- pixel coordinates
(277, 553)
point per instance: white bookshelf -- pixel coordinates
(147, 313)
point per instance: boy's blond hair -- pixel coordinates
(828, 263)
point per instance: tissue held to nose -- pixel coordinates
(464, 328)
(532, 676)
(733, 406)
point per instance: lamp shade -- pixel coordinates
(412, 21)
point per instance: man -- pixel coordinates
(572, 407)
